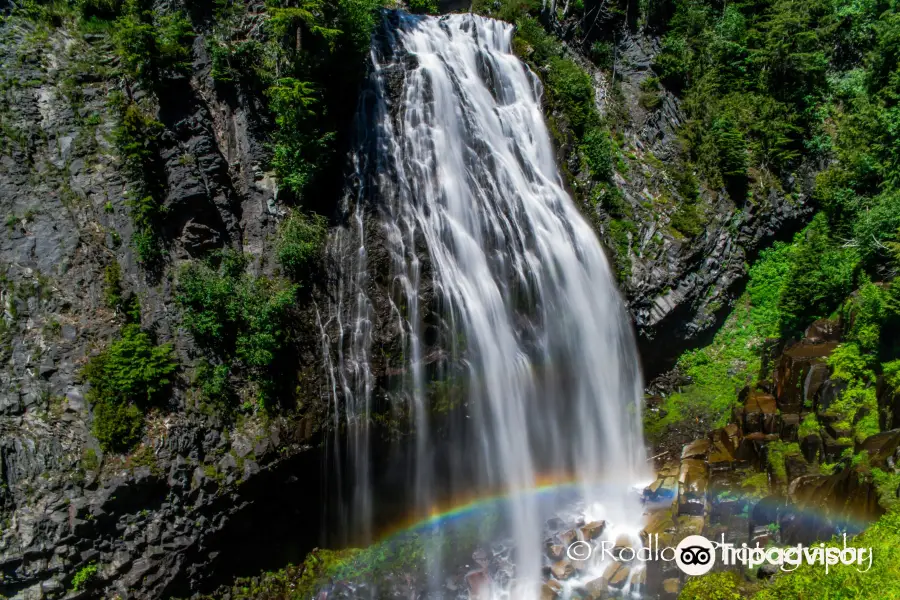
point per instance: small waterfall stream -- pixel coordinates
(463, 258)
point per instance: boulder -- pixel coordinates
(670, 588)
(823, 330)
(790, 376)
(694, 481)
(551, 590)
(592, 530)
(696, 449)
(760, 413)
(811, 447)
(790, 425)
(562, 569)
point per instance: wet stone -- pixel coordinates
(696, 449)
(592, 530)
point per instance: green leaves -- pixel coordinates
(300, 239)
(150, 45)
(240, 320)
(137, 138)
(132, 369)
(129, 376)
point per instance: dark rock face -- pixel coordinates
(154, 523)
(678, 288)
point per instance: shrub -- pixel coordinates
(240, 319)
(881, 581)
(533, 43)
(571, 87)
(425, 7)
(127, 377)
(688, 219)
(112, 285)
(132, 368)
(137, 137)
(725, 585)
(651, 97)
(597, 149)
(300, 240)
(150, 49)
(820, 277)
(118, 427)
(602, 53)
(302, 148)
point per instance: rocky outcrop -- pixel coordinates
(679, 286)
(151, 522)
(752, 482)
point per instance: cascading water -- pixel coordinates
(494, 286)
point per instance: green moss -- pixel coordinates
(755, 484)
(776, 454)
(85, 577)
(809, 426)
(89, 460)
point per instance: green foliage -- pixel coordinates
(849, 364)
(881, 581)
(300, 240)
(137, 136)
(310, 68)
(506, 10)
(132, 369)
(89, 460)
(602, 53)
(240, 319)
(620, 233)
(865, 312)
(597, 150)
(719, 371)
(118, 427)
(152, 45)
(725, 585)
(821, 276)
(129, 376)
(886, 484)
(112, 285)
(688, 219)
(650, 97)
(809, 426)
(424, 7)
(84, 577)
(571, 88)
(303, 148)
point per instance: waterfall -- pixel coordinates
(468, 281)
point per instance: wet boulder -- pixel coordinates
(791, 376)
(760, 412)
(694, 481)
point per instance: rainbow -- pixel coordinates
(461, 507)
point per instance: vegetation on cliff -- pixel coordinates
(767, 86)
